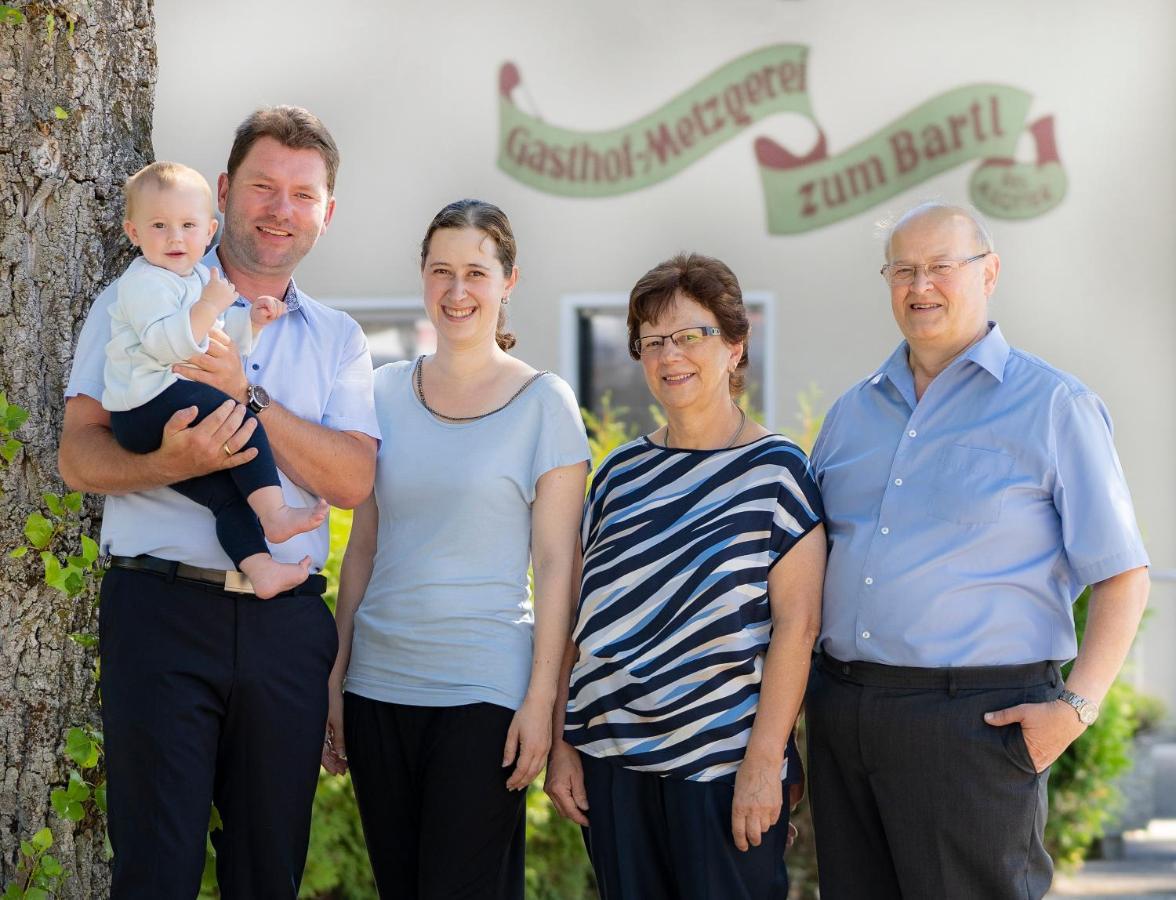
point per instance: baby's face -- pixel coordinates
(172, 226)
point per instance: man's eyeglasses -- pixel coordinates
(683, 339)
(937, 270)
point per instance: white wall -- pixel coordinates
(410, 93)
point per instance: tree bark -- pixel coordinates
(60, 243)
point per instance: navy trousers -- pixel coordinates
(140, 430)
(654, 838)
(914, 797)
(210, 696)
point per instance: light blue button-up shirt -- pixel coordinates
(314, 361)
(963, 525)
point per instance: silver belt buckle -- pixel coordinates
(238, 583)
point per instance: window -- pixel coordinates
(396, 327)
(594, 356)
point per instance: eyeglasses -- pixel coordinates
(683, 339)
(938, 270)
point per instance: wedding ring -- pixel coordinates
(228, 452)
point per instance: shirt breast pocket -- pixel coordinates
(970, 484)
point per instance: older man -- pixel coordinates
(209, 693)
(971, 492)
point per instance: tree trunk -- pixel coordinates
(77, 81)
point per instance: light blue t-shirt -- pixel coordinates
(962, 526)
(447, 617)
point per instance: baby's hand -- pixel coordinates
(219, 291)
(266, 309)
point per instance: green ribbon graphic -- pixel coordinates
(801, 193)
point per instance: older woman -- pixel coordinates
(445, 716)
(703, 554)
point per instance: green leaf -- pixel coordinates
(60, 113)
(100, 796)
(18, 552)
(81, 748)
(12, 892)
(50, 24)
(36, 893)
(27, 848)
(73, 501)
(78, 789)
(12, 16)
(9, 449)
(51, 867)
(14, 417)
(74, 582)
(214, 820)
(84, 639)
(53, 502)
(43, 840)
(38, 530)
(89, 545)
(54, 574)
(60, 802)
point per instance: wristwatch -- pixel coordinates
(1087, 711)
(257, 397)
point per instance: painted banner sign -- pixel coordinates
(975, 122)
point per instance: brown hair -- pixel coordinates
(705, 280)
(162, 174)
(290, 126)
(492, 222)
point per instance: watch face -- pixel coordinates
(258, 396)
(1088, 714)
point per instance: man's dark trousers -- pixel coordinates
(210, 696)
(914, 797)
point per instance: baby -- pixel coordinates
(167, 303)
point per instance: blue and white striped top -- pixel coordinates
(674, 619)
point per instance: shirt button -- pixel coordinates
(885, 530)
(256, 367)
(898, 482)
(866, 635)
(869, 580)
(912, 433)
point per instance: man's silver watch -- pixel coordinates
(257, 398)
(1087, 711)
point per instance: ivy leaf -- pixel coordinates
(54, 574)
(81, 748)
(100, 796)
(73, 501)
(60, 113)
(18, 552)
(43, 840)
(9, 449)
(84, 639)
(53, 502)
(38, 530)
(89, 545)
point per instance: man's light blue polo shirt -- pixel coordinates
(314, 361)
(963, 526)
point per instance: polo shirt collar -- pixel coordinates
(292, 299)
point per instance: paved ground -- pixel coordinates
(1147, 870)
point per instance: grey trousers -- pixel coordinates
(913, 795)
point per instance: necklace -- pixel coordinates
(726, 446)
(420, 392)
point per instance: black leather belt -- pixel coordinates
(232, 581)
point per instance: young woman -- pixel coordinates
(442, 694)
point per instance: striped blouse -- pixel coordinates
(674, 619)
